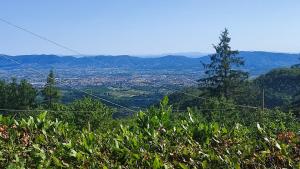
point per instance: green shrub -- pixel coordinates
(155, 139)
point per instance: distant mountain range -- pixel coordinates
(187, 54)
(256, 62)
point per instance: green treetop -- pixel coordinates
(50, 92)
(222, 79)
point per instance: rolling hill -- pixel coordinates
(256, 62)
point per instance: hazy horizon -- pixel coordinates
(186, 54)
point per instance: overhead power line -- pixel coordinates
(41, 37)
(43, 110)
(62, 46)
(209, 99)
(82, 91)
(48, 110)
(78, 53)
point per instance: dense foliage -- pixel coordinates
(281, 90)
(14, 95)
(281, 86)
(82, 113)
(156, 138)
(22, 95)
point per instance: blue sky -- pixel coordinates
(149, 26)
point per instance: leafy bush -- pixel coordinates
(156, 139)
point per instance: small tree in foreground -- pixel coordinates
(222, 77)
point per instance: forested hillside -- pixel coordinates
(280, 86)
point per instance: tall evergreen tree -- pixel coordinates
(50, 92)
(222, 77)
